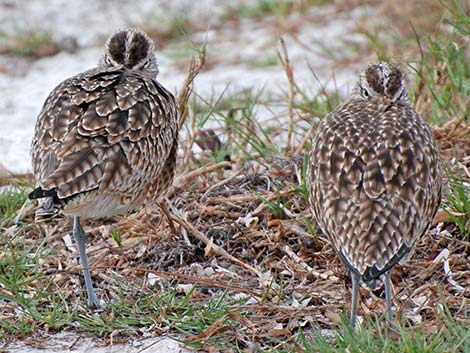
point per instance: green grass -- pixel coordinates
(11, 200)
(28, 288)
(276, 206)
(267, 61)
(181, 51)
(450, 336)
(167, 29)
(29, 43)
(446, 74)
(261, 8)
(278, 8)
(443, 82)
(458, 200)
(116, 237)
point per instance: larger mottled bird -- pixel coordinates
(373, 178)
(105, 140)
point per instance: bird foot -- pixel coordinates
(95, 303)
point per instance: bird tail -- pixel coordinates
(48, 208)
(375, 283)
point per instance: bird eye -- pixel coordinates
(107, 59)
(365, 92)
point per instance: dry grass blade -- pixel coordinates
(195, 67)
(182, 179)
(290, 78)
(305, 139)
(169, 276)
(210, 331)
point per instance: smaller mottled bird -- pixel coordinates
(105, 140)
(373, 178)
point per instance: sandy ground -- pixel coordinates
(236, 49)
(70, 343)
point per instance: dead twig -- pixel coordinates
(169, 276)
(215, 248)
(306, 267)
(284, 57)
(181, 180)
(219, 184)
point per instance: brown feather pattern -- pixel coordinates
(373, 179)
(105, 139)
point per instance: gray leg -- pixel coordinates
(354, 298)
(388, 298)
(80, 237)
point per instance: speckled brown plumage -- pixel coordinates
(105, 140)
(373, 177)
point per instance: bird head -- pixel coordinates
(131, 49)
(381, 79)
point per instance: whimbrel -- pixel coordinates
(373, 179)
(105, 140)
